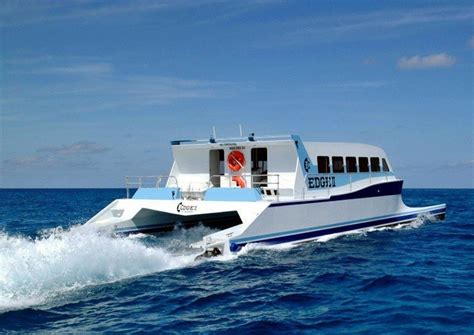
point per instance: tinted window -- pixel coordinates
(337, 164)
(323, 164)
(385, 165)
(374, 164)
(363, 164)
(351, 164)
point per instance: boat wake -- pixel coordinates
(420, 220)
(39, 271)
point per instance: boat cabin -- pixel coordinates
(275, 167)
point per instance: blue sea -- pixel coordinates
(59, 276)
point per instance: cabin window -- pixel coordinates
(385, 165)
(374, 164)
(337, 164)
(363, 164)
(323, 164)
(351, 164)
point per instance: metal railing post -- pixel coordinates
(278, 187)
(126, 185)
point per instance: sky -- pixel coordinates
(92, 91)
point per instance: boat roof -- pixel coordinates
(230, 140)
(342, 149)
(313, 148)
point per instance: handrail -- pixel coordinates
(254, 183)
(261, 184)
(147, 181)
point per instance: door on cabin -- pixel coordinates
(216, 166)
(259, 169)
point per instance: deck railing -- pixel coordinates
(132, 182)
(266, 182)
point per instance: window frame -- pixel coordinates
(327, 165)
(349, 165)
(342, 168)
(373, 159)
(366, 167)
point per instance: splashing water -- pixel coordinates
(35, 271)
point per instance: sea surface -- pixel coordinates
(61, 277)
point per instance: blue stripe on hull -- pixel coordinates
(340, 229)
(378, 190)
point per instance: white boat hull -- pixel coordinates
(151, 216)
(299, 221)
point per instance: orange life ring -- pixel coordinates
(235, 160)
(240, 181)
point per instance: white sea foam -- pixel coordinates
(35, 271)
(420, 220)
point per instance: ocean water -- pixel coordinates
(58, 276)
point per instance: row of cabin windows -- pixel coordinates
(351, 164)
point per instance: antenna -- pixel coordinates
(214, 132)
(240, 128)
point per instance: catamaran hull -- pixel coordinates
(240, 222)
(154, 216)
(299, 221)
(319, 227)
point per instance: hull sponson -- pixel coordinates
(437, 213)
(294, 217)
(378, 190)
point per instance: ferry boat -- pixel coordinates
(271, 189)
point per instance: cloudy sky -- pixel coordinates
(93, 91)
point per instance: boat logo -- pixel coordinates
(185, 208)
(307, 164)
(321, 182)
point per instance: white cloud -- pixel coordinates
(469, 163)
(28, 60)
(351, 86)
(77, 154)
(375, 22)
(424, 62)
(100, 87)
(32, 12)
(79, 69)
(81, 147)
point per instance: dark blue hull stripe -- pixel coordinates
(378, 190)
(340, 229)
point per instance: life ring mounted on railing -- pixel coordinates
(240, 181)
(235, 160)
